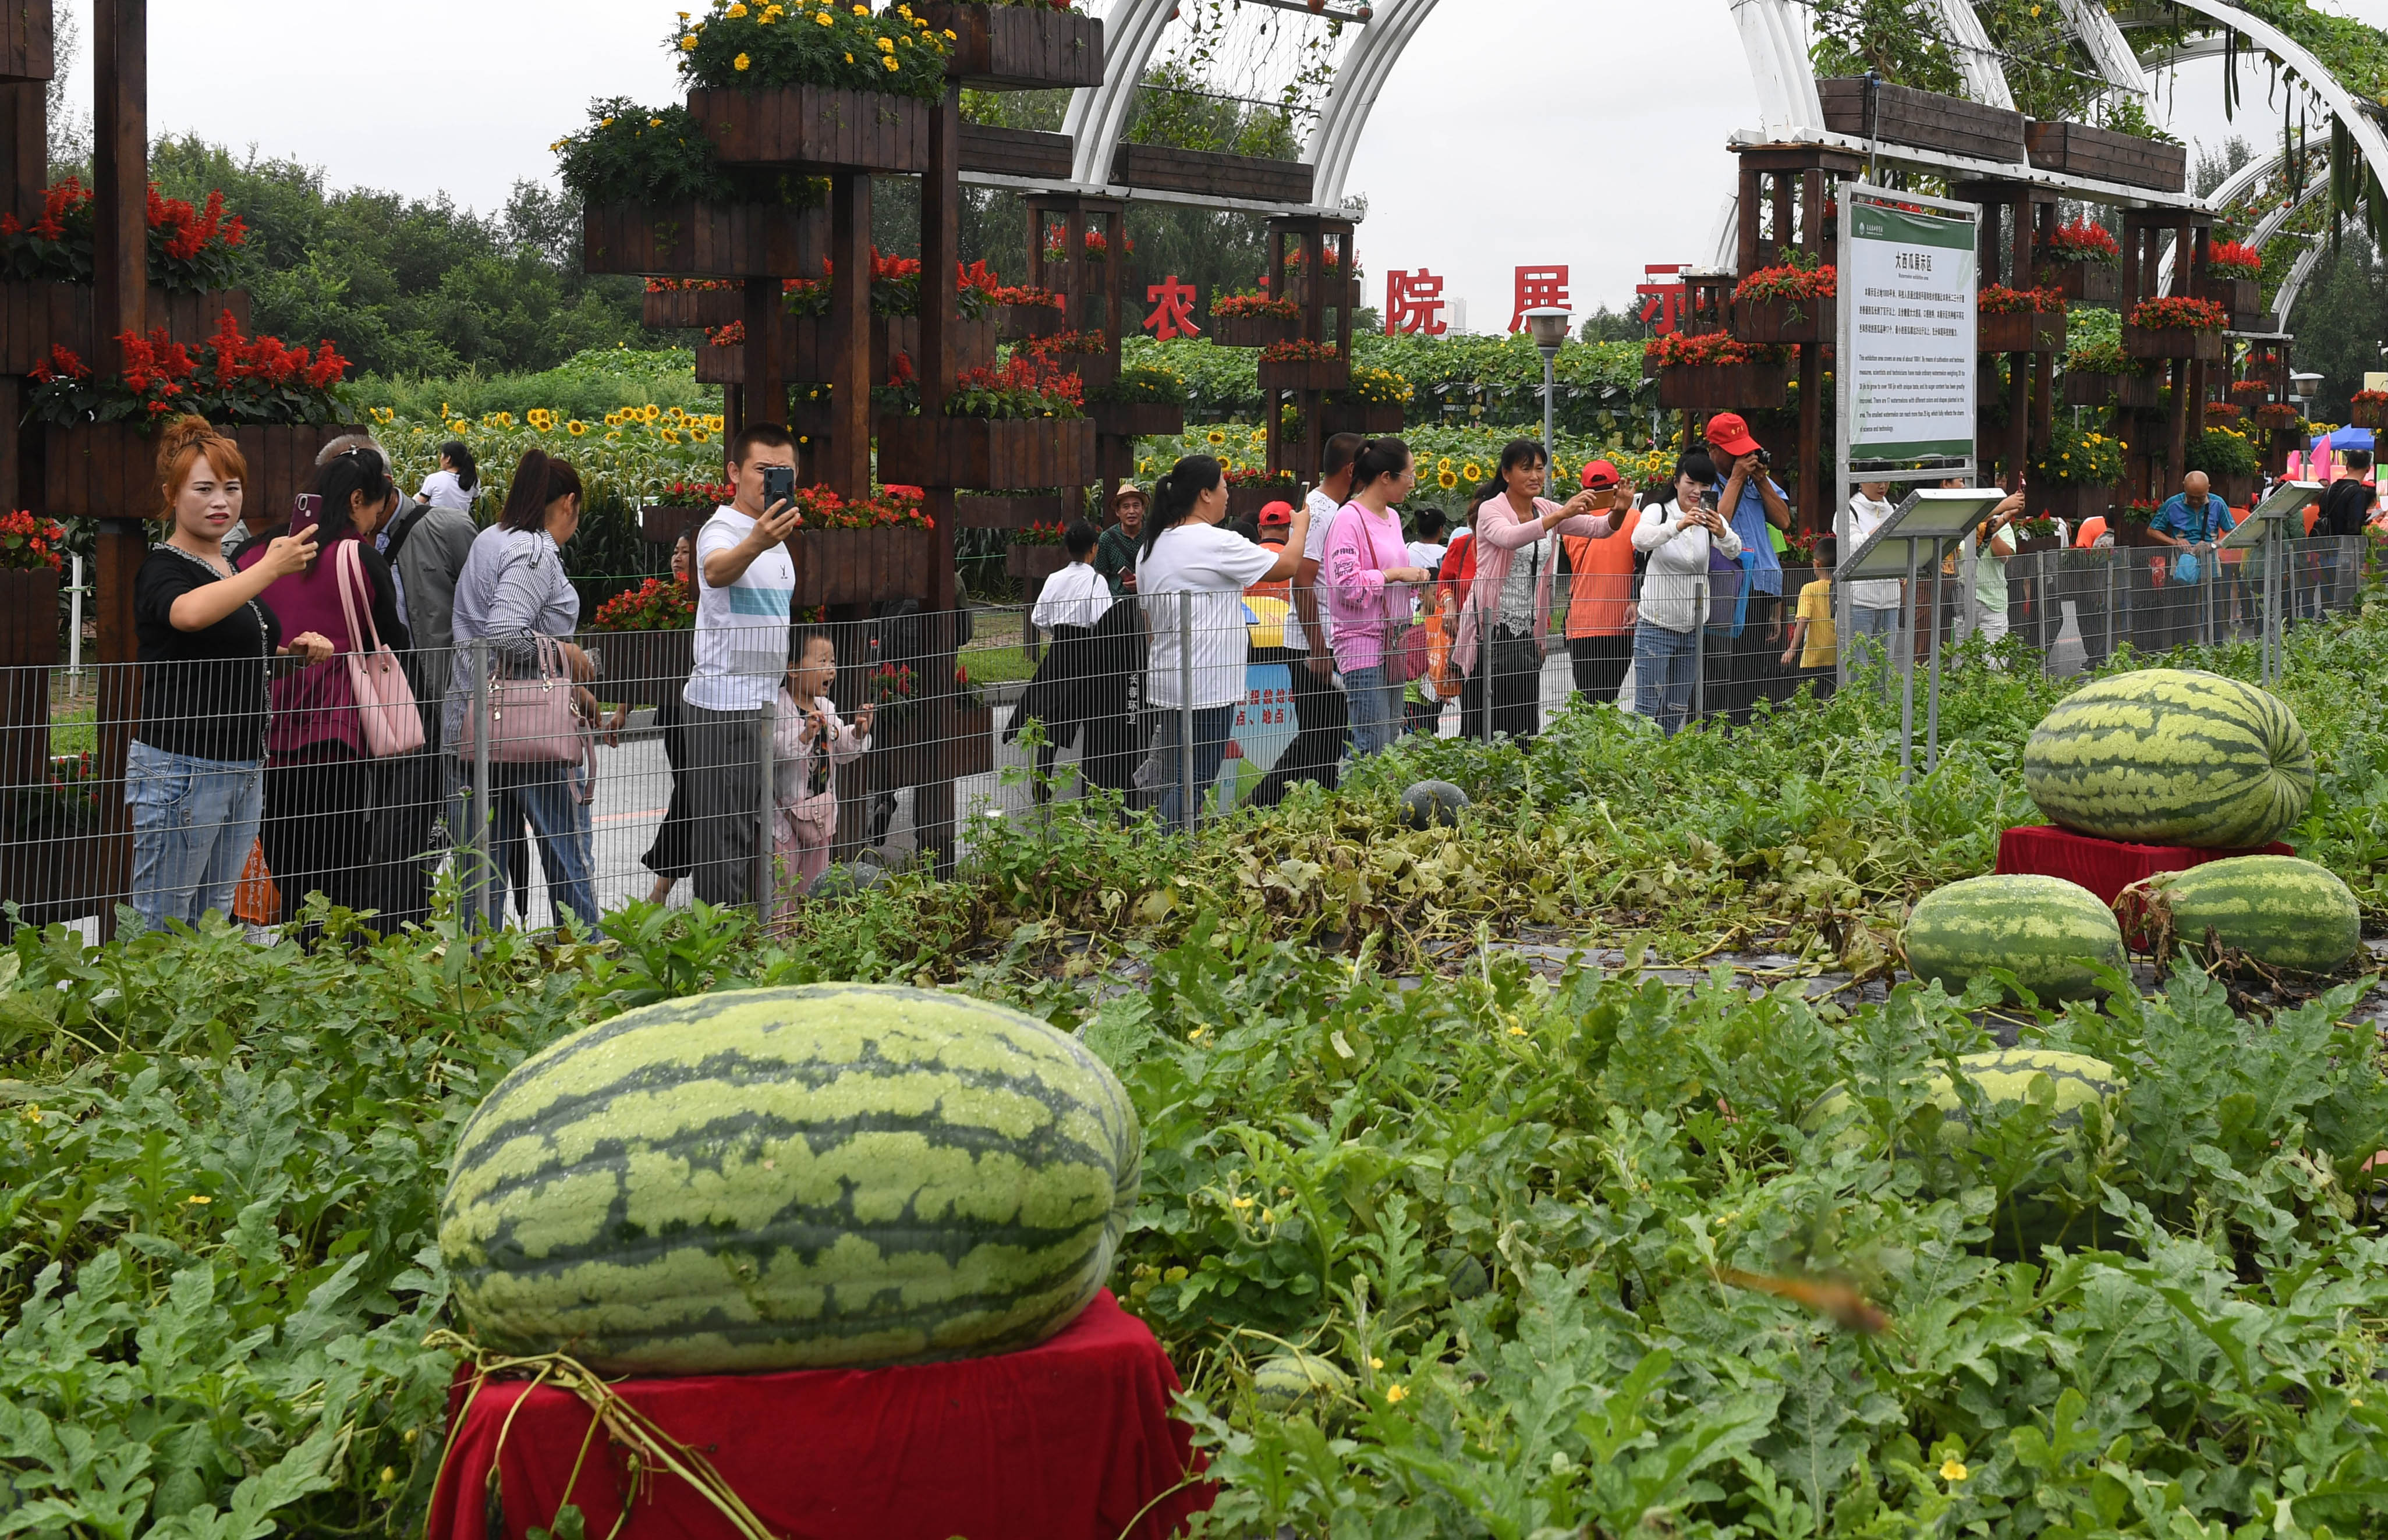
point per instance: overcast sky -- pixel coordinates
(1513, 131)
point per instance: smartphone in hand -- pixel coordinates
(306, 511)
(779, 485)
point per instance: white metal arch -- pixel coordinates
(1357, 81)
(2292, 287)
(1099, 114)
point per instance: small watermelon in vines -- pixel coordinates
(2049, 933)
(2172, 756)
(832, 1176)
(1294, 1378)
(2284, 914)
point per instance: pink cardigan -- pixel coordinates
(1499, 537)
(1360, 545)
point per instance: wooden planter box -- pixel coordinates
(1246, 502)
(1016, 152)
(975, 452)
(703, 240)
(1017, 47)
(1306, 373)
(1905, 116)
(2140, 392)
(993, 512)
(2074, 503)
(2172, 342)
(1785, 320)
(2236, 490)
(106, 471)
(1340, 296)
(1020, 323)
(664, 523)
(814, 128)
(1255, 331)
(2368, 414)
(36, 314)
(642, 668)
(2093, 390)
(691, 308)
(27, 50)
(940, 743)
(2103, 155)
(1034, 562)
(1739, 386)
(2084, 283)
(2240, 297)
(1163, 168)
(807, 356)
(58, 879)
(2277, 445)
(2132, 535)
(1371, 419)
(29, 648)
(859, 566)
(2020, 332)
(1137, 419)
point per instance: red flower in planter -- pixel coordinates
(2080, 241)
(28, 544)
(2234, 259)
(2181, 311)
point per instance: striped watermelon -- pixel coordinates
(2171, 756)
(2046, 931)
(1293, 1378)
(790, 1178)
(2005, 1076)
(2282, 912)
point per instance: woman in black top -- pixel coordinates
(193, 773)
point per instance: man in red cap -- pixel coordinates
(1600, 591)
(1750, 501)
(1276, 522)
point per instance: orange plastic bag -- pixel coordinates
(257, 901)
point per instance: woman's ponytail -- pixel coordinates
(1175, 495)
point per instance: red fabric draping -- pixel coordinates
(2104, 867)
(1065, 1440)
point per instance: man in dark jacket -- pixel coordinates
(2346, 506)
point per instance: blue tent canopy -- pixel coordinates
(2343, 439)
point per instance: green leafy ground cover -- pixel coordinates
(1505, 1204)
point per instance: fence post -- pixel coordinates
(74, 627)
(483, 869)
(1186, 709)
(766, 809)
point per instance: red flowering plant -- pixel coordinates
(1038, 535)
(30, 544)
(2218, 412)
(1026, 386)
(1298, 351)
(191, 247)
(1798, 276)
(1999, 300)
(1098, 249)
(1094, 340)
(1707, 349)
(658, 604)
(2365, 397)
(2080, 241)
(2233, 259)
(1227, 307)
(979, 288)
(2251, 392)
(1257, 475)
(886, 507)
(243, 380)
(698, 494)
(2276, 415)
(687, 286)
(2179, 311)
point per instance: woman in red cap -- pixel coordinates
(1600, 591)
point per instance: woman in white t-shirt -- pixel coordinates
(456, 481)
(1190, 576)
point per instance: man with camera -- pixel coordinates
(745, 582)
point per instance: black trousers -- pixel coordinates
(1742, 670)
(1600, 663)
(673, 852)
(1321, 730)
(1503, 693)
(724, 780)
(317, 828)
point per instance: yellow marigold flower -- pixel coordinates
(741, 62)
(606, 123)
(1954, 1470)
(1396, 1392)
(1376, 1363)
(198, 1198)
(952, 36)
(891, 64)
(862, 10)
(886, 44)
(654, 122)
(688, 44)
(825, 19)
(736, 12)
(683, 18)
(849, 58)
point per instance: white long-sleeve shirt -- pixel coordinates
(1675, 586)
(1077, 595)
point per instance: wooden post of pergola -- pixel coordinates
(1792, 183)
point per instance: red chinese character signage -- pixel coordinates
(1173, 315)
(1414, 304)
(1662, 302)
(1539, 289)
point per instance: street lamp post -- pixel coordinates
(1550, 331)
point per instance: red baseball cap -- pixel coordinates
(1729, 433)
(1600, 475)
(1276, 513)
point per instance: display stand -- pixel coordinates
(1930, 517)
(2261, 528)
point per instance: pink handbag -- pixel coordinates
(1407, 650)
(385, 702)
(531, 721)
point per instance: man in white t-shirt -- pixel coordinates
(1322, 721)
(745, 582)
(1874, 601)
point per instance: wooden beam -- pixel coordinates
(939, 363)
(120, 294)
(847, 467)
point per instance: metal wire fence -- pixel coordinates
(546, 781)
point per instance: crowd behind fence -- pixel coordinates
(579, 798)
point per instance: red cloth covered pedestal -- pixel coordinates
(1065, 1440)
(2104, 867)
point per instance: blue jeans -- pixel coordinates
(1376, 704)
(1212, 725)
(543, 795)
(194, 822)
(1665, 665)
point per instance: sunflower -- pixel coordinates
(1444, 463)
(1447, 480)
(1472, 472)
(1217, 438)
(576, 427)
(713, 422)
(1260, 437)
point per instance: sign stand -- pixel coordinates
(2261, 527)
(1904, 376)
(1936, 517)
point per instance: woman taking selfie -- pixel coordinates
(1678, 537)
(193, 776)
(1191, 575)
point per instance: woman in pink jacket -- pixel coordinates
(1506, 614)
(1368, 575)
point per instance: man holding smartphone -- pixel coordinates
(745, 583)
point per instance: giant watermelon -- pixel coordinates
(790, 1178)
(2171, 756)
(2282, 912)
(2046, 931)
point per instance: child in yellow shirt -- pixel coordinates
(1813, 639)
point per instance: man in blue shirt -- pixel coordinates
(1749, 497)
(2191, 521)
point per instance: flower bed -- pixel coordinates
(2368, 408)
(2175, 326)
(2018, 321)
(1714, 369)
(2073, 457)
(1793, 302)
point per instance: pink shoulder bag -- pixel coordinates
(1406, 648)
(385, 702)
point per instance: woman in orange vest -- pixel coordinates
(1600, 593)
